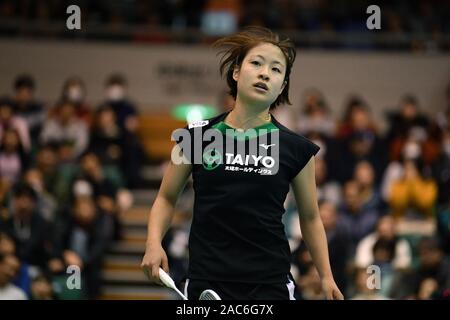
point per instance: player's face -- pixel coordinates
(260, 79)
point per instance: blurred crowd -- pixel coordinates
(408, 25)
(66, 171)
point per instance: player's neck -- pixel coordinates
(244, 117)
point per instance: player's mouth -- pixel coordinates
(261, 86)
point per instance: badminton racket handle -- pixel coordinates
(166, 279)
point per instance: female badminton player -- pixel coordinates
(237, 242)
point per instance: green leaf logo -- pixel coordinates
(211, 159)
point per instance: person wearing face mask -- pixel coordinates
(127, 119)
(116, 97)
(74, 90)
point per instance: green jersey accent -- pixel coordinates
(247, 134)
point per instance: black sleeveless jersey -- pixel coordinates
(241, 180)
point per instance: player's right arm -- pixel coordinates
(160, 217)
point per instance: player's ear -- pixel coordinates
(236, 72)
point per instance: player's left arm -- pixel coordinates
(313, 233)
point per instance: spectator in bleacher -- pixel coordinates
(315, 116)
(22, 278)
(9, 266)
(10, 121)
(116, 96)
(359, 219)
(357, 117)
(26, 105)
(330, 150)
(301, 259)
(395, 169)
(409, 124)
(432, 266)
(428, 146)
(358, 140)
(326, 190)
(93, 180)
(413, 194)
(74, 90)
(386, 230)
(305, 274)
(338, 239)
(86, 237)
(65, 130)
(46, 202)
(383, 252)
(7, 245)
(91, 170)
(309, 284)
(362, 290)
(127, 119)
(107, 139)
(427, 289)
(383, 248)
(32, 234)
(360, 146)
(364, 176)
(56, 178)
(13, 159)
(41, 289)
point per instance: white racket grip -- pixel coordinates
(166, 279)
